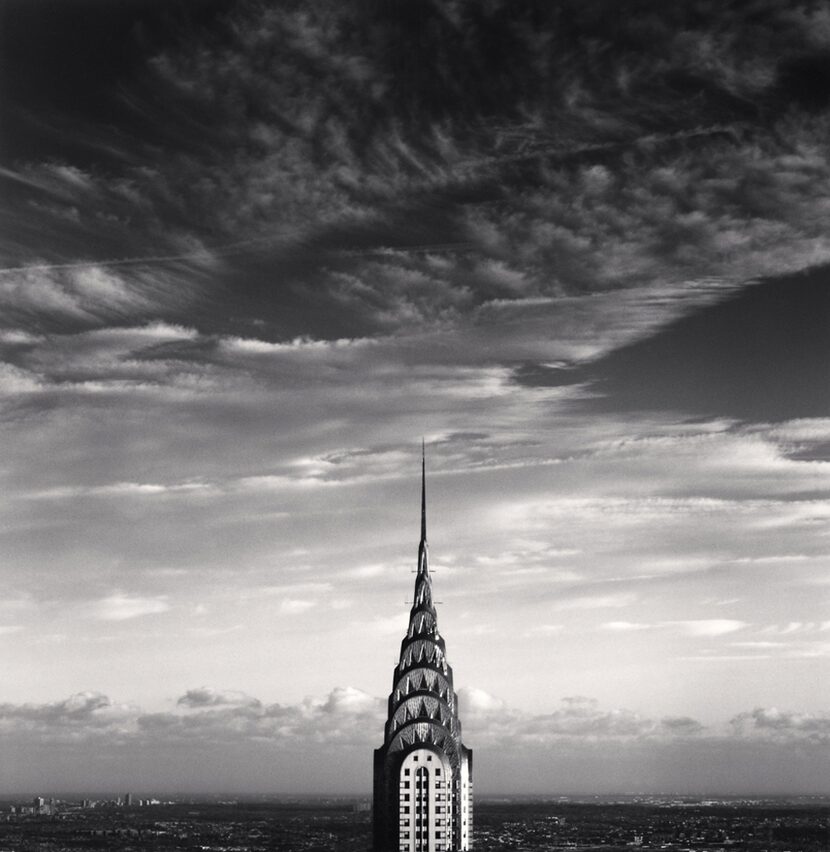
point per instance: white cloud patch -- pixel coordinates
(577, 719)
(588, 602)
(624, 626)
(299, 345)
(708, 626)
(15, 381)
(122, 607)
(545, 630)
(19, 337)
(296, 606)
(89, 293)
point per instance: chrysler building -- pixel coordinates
(423, 790)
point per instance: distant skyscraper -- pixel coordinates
(423, 790)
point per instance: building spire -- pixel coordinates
(423, 549)
(423, 492)
(423, 759)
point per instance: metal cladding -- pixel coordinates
(426, 806)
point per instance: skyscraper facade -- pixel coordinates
(423, 787)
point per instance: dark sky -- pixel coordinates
(78, 65)
(761, 355)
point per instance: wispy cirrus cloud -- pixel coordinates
(121, 607)
(708, 626)
(701, 628)
(336, 183)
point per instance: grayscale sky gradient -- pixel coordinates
(250, 253)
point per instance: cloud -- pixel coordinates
(295, 606)
(682, 725)
(793, 627)
(704, 627)
(582, 718)
(300, 588)
(622, 599)
(624, 626)
(82, 297)
(348, 701)
(18, 383)
(350, 715)
(346, 715)
(122, 607)
(123, 489)
(18, 337)
(708, 626)
(303, 345)
(771, 723)
(249, 745)
(206, 696)
(83, 716)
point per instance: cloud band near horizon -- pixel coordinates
(226, 741)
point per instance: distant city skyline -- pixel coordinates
(251, 255)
